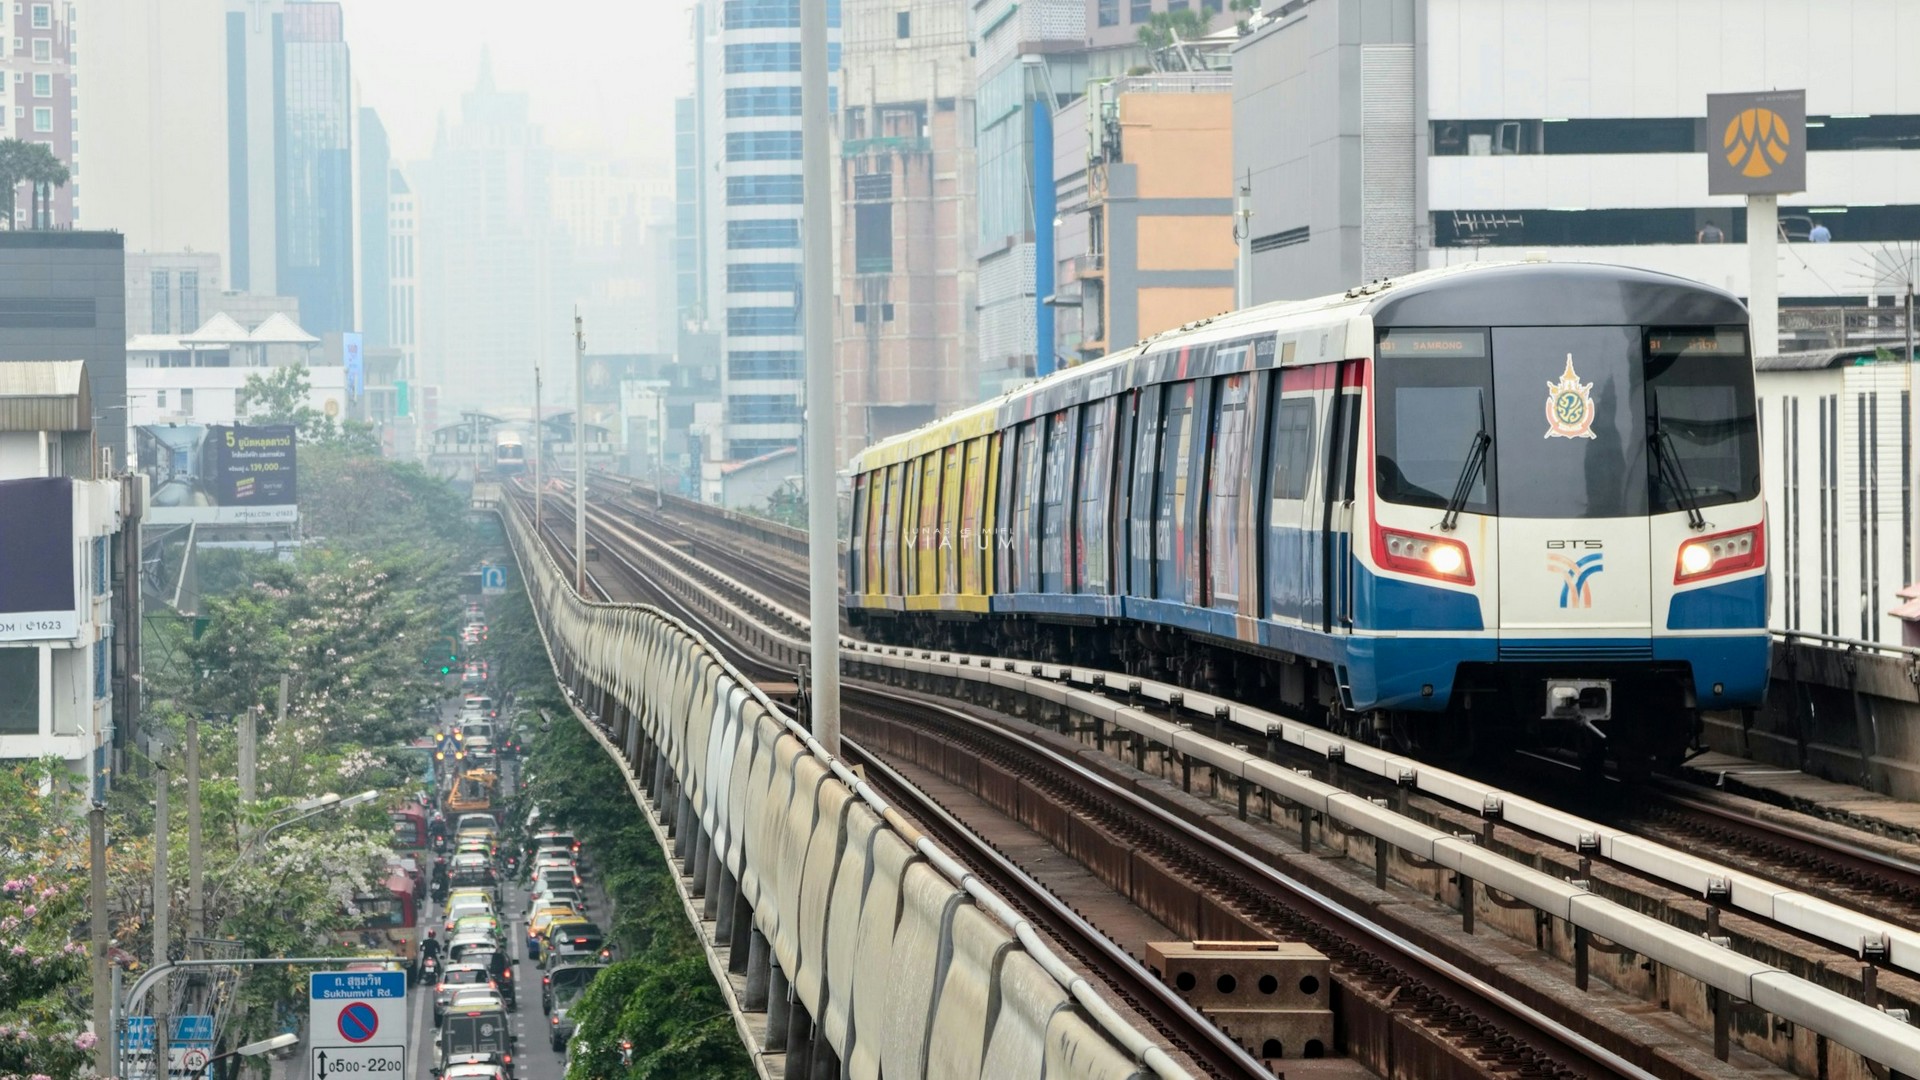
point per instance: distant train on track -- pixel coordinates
(1461, 510)
(509, 454)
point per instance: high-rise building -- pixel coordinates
(1031, 56)
(315, 223)
(156, 163)
(904, 339)
(375, 166)
(750, 75)
(486, 258)
(171, 292)
(403, 274)
(65, 295)
(43, 57)
(255, 69)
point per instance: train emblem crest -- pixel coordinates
(1569, 406)
(1575, 577)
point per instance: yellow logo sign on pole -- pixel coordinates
(1762, 143)
(1757, 141)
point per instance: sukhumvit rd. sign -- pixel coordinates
(1757, 143)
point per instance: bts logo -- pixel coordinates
(1576, 577)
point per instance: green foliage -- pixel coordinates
(23, 162)
(43, 919)
(1164, 27)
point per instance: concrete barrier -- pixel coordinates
(792, 844)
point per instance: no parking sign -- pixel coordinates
(357, 1021)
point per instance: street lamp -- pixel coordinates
(255, 1049)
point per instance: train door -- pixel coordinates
(947, 543)
(1142, 522)
(928, 518)
(967, 545)
(1336, 537)
(856, 568)
(1056, 489)
(910, 528)
(891, 543)
(1571, 455)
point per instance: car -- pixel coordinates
(555, 838)
(468, 906)
(487, 923)
(562, 876)
(454, 977)
(478, 729)
(474, 1036)
(555, 854)
(459, 895)
(483, 950)
(539, 921)
(476, 1071)
(560, 997)
(477, 823)
(573, 941)
(558, 895)
(482, 996)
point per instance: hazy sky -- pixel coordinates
(602, 74)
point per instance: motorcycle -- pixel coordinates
(438, 890)
(429, 970)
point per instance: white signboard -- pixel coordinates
(356, 1011)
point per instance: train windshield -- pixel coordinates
(1573, 411)
(1702, 408)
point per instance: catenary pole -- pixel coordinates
(823, 518)
(579, 455)
(162, 898)
(538, 438)
(196, 860)
(102, 941)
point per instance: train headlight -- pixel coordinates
(1447, 559)
(1695, 558)
(1427, 556)
(1720, 554)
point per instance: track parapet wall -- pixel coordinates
(835, 908)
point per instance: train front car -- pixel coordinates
(1566, 541)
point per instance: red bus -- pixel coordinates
(410, 831)
(385, 921)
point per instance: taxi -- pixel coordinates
(484, 923)
(541, 920)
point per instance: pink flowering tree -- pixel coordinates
(44, 991)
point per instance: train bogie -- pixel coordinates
(1470, 508)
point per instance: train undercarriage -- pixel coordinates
(1640, 717)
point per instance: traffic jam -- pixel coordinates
(508, 921)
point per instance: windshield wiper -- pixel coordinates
(1476, 458)
(1673, 474)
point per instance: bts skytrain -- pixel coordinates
(1459, 510)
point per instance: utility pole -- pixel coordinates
(659, 448)
(539, 438)
(161, 903)
(823, 518)
(102, 941)
(196, 861)
(579, 455)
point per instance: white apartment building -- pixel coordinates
(63, 531)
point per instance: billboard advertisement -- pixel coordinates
(220, 474)
(37, 594)
(1757, 143)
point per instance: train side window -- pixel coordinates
(1170, 501)
(857, 542)
(1026, 563)
(1093, 500)
(968, 544)
(1055, 520)
(1141, 517)
(947, 543)
(1292, 449)
(876, 525)
(994, 521)
(1007, 479)
(928, 581)
(1230, 467)
(910, 529)
(890, 548)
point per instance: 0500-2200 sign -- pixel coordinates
(350, 1066)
